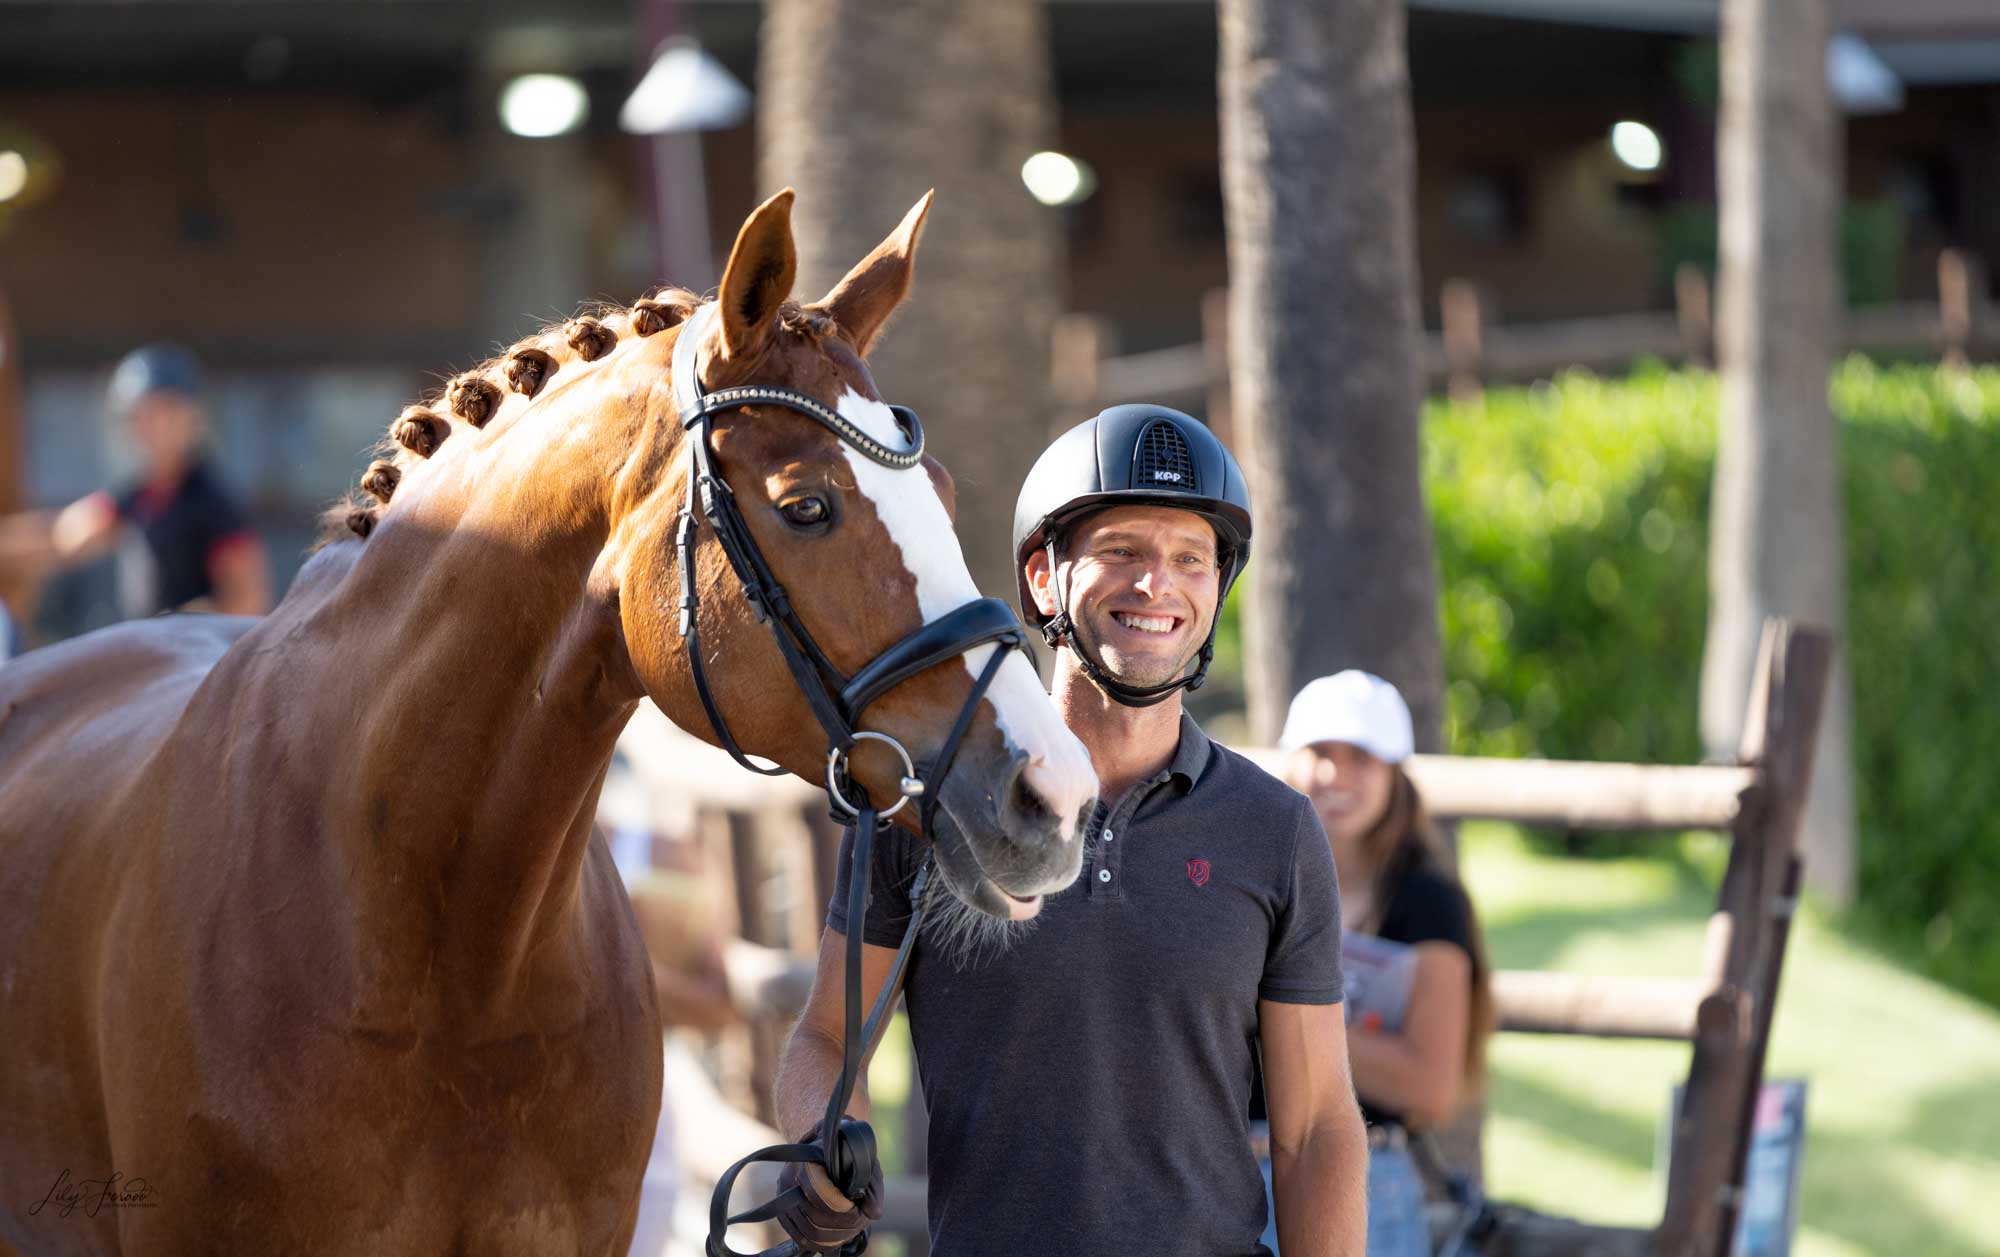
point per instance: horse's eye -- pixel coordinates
(805, 512)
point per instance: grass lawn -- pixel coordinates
(1903, 1114)
(1903, 1109)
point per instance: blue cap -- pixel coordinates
(154, 369)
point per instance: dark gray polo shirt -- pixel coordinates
(1089, 1086)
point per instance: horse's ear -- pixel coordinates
(759, 277)
(861, 303)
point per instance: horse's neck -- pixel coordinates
(471, 664)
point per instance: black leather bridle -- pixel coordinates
(845, 1147)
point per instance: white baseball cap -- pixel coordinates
(1355, 707)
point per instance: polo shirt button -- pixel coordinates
(1104, 875)
(1108, 835)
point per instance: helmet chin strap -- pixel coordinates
(1061, 631)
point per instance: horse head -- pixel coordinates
(862, 549)
(866, 552)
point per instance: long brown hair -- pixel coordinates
(1404, 840)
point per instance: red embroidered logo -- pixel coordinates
(1198, 872)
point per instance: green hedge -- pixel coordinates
(1921, 456)
(1571, 527)
(1571, 523)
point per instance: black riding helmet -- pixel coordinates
(1135, 455)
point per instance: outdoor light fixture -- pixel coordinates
(1637, 145)
(28, 169)
(1058, 178)
(1861, 82)
(684, 89)
(13, 175)
(542, 105)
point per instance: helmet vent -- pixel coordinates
(1162, 460)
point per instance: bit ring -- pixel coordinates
(912, 785)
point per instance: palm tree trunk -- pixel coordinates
(862, 106)
(1318, 179)
(1775, 542)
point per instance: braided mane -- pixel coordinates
(472, 399)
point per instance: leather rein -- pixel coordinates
(845, 1147)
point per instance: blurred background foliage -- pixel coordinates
(1874, 236)
(1571, 521)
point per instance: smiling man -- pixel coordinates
(1089, 1080)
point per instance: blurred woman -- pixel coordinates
(191, 547)
(1418, 1020)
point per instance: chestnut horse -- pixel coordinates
(307, 946)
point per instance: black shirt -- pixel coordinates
(1089, 1085)
(1423, 905)
(184, 531)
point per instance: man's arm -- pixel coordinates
(1319, 1148)
(809, 1068)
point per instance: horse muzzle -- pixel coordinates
(1000, 843)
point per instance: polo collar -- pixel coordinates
(1192, 755)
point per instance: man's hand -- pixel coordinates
(823, 1219)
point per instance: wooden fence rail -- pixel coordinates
(1471, 348)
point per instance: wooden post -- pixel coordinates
(1463, 314)
(823, 845)
(1694, 314)
(1779, 931)
(1733, 1024)
(1081, 342)
(1215, 355)
(734, 1055)
(1960, 284)
(793, 857)
(746, 856)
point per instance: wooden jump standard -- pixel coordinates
(1726, 1012)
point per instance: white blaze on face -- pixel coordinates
(914, 516)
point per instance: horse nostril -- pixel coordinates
(1024, 811)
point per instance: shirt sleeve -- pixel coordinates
(1302, 965)
(893, 866)
(1430, 907)
(222, 524)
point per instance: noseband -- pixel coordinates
(845, 1147)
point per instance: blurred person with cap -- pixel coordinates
(1088, 1075)
(194, 549)
(1347, 737)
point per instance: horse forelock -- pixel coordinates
(505, 385)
